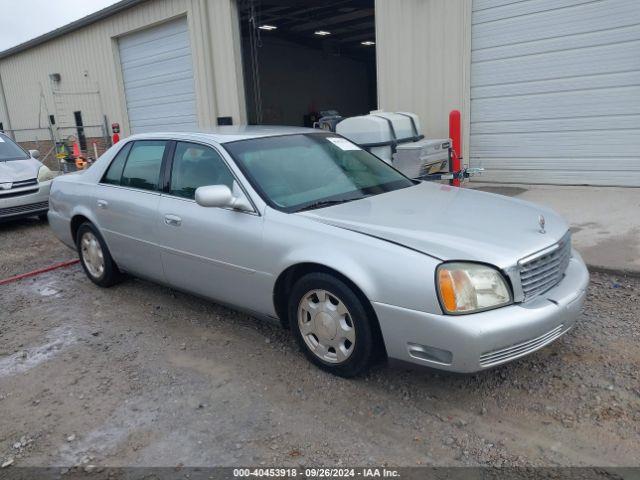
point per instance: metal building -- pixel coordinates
(154, 64)
(549, 89)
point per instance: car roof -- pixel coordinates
(226, 134)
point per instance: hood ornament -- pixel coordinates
(541, 222)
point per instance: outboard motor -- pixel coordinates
(328, 120)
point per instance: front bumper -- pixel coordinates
(470, 343)
(28, 204)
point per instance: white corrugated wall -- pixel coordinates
(555, 91)
(88, 61)
(422, 51)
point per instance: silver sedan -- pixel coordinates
(303, 226)
(24, 182)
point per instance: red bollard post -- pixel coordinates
(455, 130)
(115, 129)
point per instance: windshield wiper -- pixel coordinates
(328, 203)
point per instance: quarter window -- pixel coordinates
(196, 166)
(114, 173)
(143, 165)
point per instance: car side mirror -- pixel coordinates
(34, 154)
(220, 196)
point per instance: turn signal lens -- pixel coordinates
(447, 291)
(471, 287)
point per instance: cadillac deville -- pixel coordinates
(357, 260)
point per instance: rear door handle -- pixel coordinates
(172, 220)
(103, 204)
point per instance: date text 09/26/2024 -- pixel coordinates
(316, 472)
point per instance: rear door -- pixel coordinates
(127, 207)
(213, 252)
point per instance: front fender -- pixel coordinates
(385, 272)
(335, 260)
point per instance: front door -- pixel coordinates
(213, 252)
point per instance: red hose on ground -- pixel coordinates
(39, 271)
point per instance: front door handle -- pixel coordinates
(172, 220)
(103, 204)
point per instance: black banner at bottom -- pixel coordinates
(310, 473)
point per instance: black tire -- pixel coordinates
(365, 346)
(111, 275)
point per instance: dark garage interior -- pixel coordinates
(302, 58)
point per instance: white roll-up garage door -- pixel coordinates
(158, 78)
(555, 91)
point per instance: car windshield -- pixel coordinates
(10, 151)
(306, 171)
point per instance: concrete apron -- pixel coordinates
(605, 221)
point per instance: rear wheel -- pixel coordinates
(95, 257)
(331, 325)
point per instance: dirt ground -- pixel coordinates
(27, 245)
(141, 375)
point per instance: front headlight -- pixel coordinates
(44, 174)
(470, 287)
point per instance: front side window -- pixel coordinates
(297, 172)
(197, 166)
(143, 165)
(9, 150)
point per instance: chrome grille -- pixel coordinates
(25, 183)
(496, 357)
(545, 269)
(20, 188)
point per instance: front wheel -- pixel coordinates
(331, 325)
(95, 257)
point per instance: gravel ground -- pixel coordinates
(28, 244)
(141, 375)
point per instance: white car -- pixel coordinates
(24, 182)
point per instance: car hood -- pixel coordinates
(450, 223)
(17, 170)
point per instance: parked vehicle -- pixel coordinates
(355, 258)
(24, 182)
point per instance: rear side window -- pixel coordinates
(114, 173)
(143, 165)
